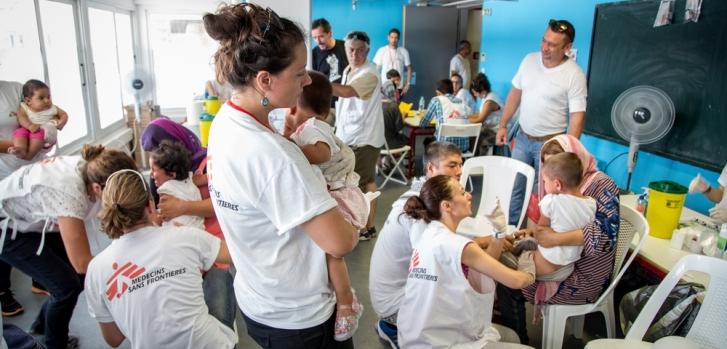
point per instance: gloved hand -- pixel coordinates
(718, 214)
(698, 185)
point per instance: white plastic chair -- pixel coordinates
(460, 130)
(397, 156)
(498, 180)
(555, 315)
(708, 329)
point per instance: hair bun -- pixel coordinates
(90, 152)
(228, 23)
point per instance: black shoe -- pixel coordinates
(367, 235)
(10, 306)
(73, 342)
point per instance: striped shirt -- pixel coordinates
(434, 110)
(592, 273)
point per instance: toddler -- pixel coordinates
(305, 126)
(39, 121)
(170, 163)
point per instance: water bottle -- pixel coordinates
(722, 240)
(422, 103)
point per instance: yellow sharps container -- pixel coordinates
(666, 199)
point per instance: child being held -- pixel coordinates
(564, 209)
(305, 126)
(39, 121)
(170, 163)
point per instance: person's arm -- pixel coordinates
(494, 246)
(544, 221)
(73, 234)
(432, 109)
(111, 333)
(24, 121)
(576, 124)
(317, 153)
(484, 112)
(332, 233)
(474, 257)
(62, 118)
(511, 105)
(406, 87)
(344, 91)
(171, 207)
(223, 256)
(547, 237)
(715, 194)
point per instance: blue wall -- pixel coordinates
(375, 17)
(516, 28)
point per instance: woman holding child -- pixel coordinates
(277, 216)
(592, 272)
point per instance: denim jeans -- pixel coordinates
(512, 309)
(219, 295)
(528, 152)
(55, 273)
(317, 337)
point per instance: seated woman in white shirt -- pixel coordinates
(147, 285)
(489, 114)
(450, 290)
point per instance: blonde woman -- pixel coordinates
(147, 285)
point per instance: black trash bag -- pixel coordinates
(674, 318)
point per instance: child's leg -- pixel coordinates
(542, 265)
(338, 273)
(35, 145)
(20, 147)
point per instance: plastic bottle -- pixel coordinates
(641, 203)
(722, 239)
(422, 103)
(205, 121)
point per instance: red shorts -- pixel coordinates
(22, 132)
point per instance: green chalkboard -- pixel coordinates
(686, 60)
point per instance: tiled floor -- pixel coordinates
(358, 263)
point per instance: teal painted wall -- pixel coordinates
(375, 17)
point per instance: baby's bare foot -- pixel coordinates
(17, 151)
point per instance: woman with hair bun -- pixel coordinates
(150, 270)
(45, 203)
(451, 285)
(274, 209)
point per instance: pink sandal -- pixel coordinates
(346, 326)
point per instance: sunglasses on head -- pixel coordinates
(562, 27)
(358, 36)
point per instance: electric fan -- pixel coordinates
(641, 115)
(138, 83)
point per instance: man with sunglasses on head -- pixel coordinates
(547, 87)
(359, 116)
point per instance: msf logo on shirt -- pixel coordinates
(414, 262)
(120, 280)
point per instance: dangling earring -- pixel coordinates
(264, 101)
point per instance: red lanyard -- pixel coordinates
(241, 109)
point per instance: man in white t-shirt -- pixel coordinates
(548, 87)
(359, 116)
(393, 57)
(460, 63)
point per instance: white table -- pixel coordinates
(659, 253)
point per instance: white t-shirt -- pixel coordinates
(149, 282)
(387, 58)
(467, 98)
(566, 213)
(549, 94)
(361, 121)
(442, 307)
(390, 259)
(723, 182)
(262, 192)
(11, 94)
(184, 190)
(493, 120)
(462, 66)
(336, 176)
(43, 190)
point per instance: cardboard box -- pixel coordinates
(148, 113)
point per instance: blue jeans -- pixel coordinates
(317, 337)
(53, 271)
(219, 295)
(528, 152)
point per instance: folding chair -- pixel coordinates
(447, 130)
(397, 156)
